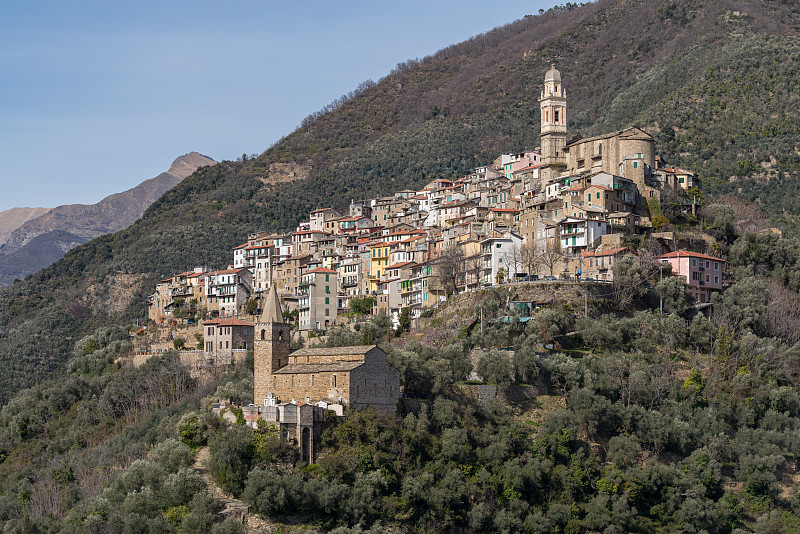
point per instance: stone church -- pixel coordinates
(358, 376)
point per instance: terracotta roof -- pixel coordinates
(528, 167)
(412, 238)
(688, 254)
(505, 209)
(304, 232)
(230, 271)
(398, 265)
(321, 209)
(321, 270)
(232, 322)
(381, 244)
(676, 170)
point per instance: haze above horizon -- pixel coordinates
(97, 97)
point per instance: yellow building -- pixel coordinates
(378, 262)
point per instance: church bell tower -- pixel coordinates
(553, 105)
(271, 351)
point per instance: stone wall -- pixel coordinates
(270, 353)
(317, 386)
(376, 384)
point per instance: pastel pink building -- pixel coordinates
(702, 272)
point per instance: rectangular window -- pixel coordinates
(694, 262)
(716, 279)
(327, 300)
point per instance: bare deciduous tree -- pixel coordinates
(528, 253)
(552, 254)
(512, 258)
(449, 269)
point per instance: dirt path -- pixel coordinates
(254, 524)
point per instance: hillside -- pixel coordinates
(632, 422)
(39, 241)
(13, 218)
(692, 73)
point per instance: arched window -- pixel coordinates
(263, 334)
(280, 335)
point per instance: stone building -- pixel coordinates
(317, 304)
(227, 340)
(358, 376)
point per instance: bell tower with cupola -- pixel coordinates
(553, 105)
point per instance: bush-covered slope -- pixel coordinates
(711, 80)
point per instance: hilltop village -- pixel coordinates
(564, 210)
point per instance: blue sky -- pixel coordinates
(97, 96)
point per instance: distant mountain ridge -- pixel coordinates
(39, 241)
(13, 218)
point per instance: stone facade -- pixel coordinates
(629, 153)
(271, 345)
(357, 376)
(227, 340)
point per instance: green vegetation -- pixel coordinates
(639, 422)
(667, 425)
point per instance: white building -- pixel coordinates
(229, 289)
(495, 255)
(578, 234)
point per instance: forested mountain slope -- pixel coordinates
(713, 81)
